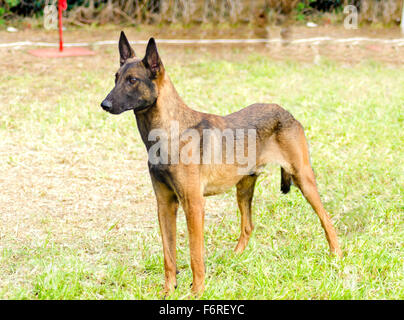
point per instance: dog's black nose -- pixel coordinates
(106, 105)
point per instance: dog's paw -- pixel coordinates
(197, 291)
(337, 252)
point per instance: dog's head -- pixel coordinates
(136, 81)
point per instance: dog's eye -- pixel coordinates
(132, 80)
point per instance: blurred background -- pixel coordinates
(193, 12)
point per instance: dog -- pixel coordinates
(142, 85)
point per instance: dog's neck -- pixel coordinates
(168, 108)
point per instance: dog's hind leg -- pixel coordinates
(245, 192)
(306, 182)
(297, 154)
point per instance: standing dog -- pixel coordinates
(143, 86)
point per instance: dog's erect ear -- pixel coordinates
(152, 59)
(125, 50)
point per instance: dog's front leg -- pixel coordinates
(167, 204)
(167, 220)
(193, 206)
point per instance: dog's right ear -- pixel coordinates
(125, 50)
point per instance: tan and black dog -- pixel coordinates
(142, 85)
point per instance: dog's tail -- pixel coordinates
(286, 181)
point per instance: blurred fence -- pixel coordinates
(202, 11)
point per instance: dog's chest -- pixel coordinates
(161, 173)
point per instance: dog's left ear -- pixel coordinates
(152, 59)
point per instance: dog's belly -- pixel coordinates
(212, 189)
(217, 179)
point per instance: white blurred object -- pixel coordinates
(311, 24)
(12, 29)
(402, 19)
(317, 57)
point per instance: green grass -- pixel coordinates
(353, 119)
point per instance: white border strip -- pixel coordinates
(315, 41)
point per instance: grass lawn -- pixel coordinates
(77, 212)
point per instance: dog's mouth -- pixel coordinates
(113, 110)
(142, 105)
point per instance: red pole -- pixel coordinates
(60, 26)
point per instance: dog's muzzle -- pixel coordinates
(106, 105)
